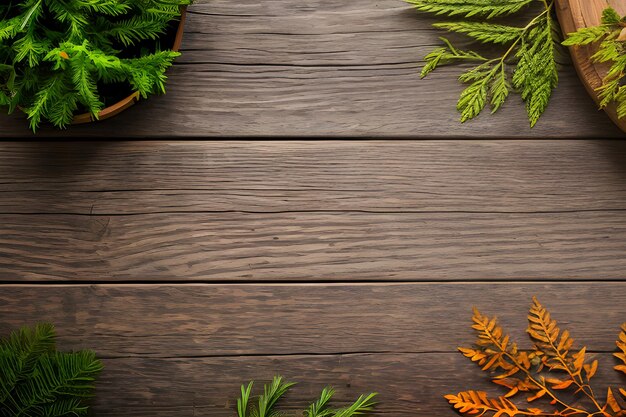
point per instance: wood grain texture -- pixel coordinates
(410, 384)
(314, 246)
(115, 178)
(285, 68)
(183, 350)
(170, 321)
(578, 14)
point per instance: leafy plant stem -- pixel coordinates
(526, 29)
(532, 378)
(577, 380)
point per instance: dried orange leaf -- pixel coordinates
(621, 368)
(538, 395)
(612, 402)
(511, 393)
(579, 359)
(590, 369)
(563, 385)
(493, 350)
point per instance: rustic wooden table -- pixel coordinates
(193, 266)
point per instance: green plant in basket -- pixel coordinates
(59, 58)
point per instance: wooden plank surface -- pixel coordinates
(410, 384)
(299, 211)
(192, 267)
(285, 68)
(184, 320)
(184, 349)
(313, 246)
(372, 176)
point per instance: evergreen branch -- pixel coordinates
(36, 380)
(319, 407)
(63, 52)
(242, 402)
(363, 404)
(271, 394)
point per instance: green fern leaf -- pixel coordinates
(484, 32)
(469, 8)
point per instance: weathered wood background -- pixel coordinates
(285, 68)
(192, 267)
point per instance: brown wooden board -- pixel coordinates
(276, 211)
(314, 246)
(285, 68)
(155, 177)
(170, 321)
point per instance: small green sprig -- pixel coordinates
(527, 64)
(272, 392)
(610, 37)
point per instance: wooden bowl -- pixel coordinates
(127, 102)
(576, 14)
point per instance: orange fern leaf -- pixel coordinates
(613, 404)
(621, 344)
(477, 403)
(492, 345)
(544, 332)
(531, 371)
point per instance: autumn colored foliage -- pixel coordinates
(551, 371)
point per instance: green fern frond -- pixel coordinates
(484, 32)
(611, 49)
(446, 55)
(469, 8)
(527, 66)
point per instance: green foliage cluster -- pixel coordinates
(527, 64)
(272, 392)
(36, 380)
(610, 37)
(56, 54)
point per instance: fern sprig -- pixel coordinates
(546, 371)
(610, 38)
(469, 8)
(526, 66)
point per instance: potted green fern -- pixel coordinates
(75, 61)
